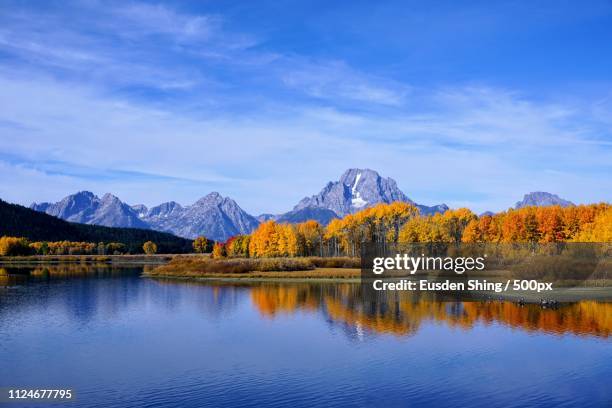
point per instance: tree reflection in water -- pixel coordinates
(403, 313)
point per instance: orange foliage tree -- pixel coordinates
(400, 222)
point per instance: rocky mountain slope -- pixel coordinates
(86, 208)
(213, 216)
(357, 189)
(542, 199)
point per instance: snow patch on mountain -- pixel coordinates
(356, 200)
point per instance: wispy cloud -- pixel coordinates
(155, 104)
(186, 157)
(116, 43)
(334, 80)
(135, 20)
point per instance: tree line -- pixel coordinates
(400, 223)
(19, 246)
(394, 223)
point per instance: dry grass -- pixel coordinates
(336, 262)
(193, 266)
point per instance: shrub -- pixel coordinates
(201, 265)
(336, 262)
(13, 246)
(200, 244)
(149, 247)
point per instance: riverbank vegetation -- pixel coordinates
(19, 246)
(22, 247)
(204, 266)
(400, 223)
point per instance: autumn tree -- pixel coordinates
(400, 222)
(550, 224)
(287, 240)
(334, 236)
(218, 251)
(238, 246)
(115, 248)
(200, 244)
(425, 229)
(599, 230)
(391, 217)
(455, 221)
(149, 248)
(541, 224)
(12, 246)
(264, 240)
(309, 238)
(472, 232)
(352, 234)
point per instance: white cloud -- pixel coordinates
(278, 122)
(258, 158)
(334, 80)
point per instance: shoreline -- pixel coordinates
(328, 274)
(157, 259)
(245, 279)
(551, 299)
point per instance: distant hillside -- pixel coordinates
(542, 199)
(16, 220)
(322, 215)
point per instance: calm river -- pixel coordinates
(119, 340)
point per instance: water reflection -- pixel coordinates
(20, 274)
(122, 340)
(341, 304)
(404, 313)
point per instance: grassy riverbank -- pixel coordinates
(274, 268)
(50, 259)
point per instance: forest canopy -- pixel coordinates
(401, 223)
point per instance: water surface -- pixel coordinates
(119, 340)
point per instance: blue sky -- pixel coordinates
(467, 103)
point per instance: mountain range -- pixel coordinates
(219, 218)
(19, 221)
(86, 208)
(213, 216)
